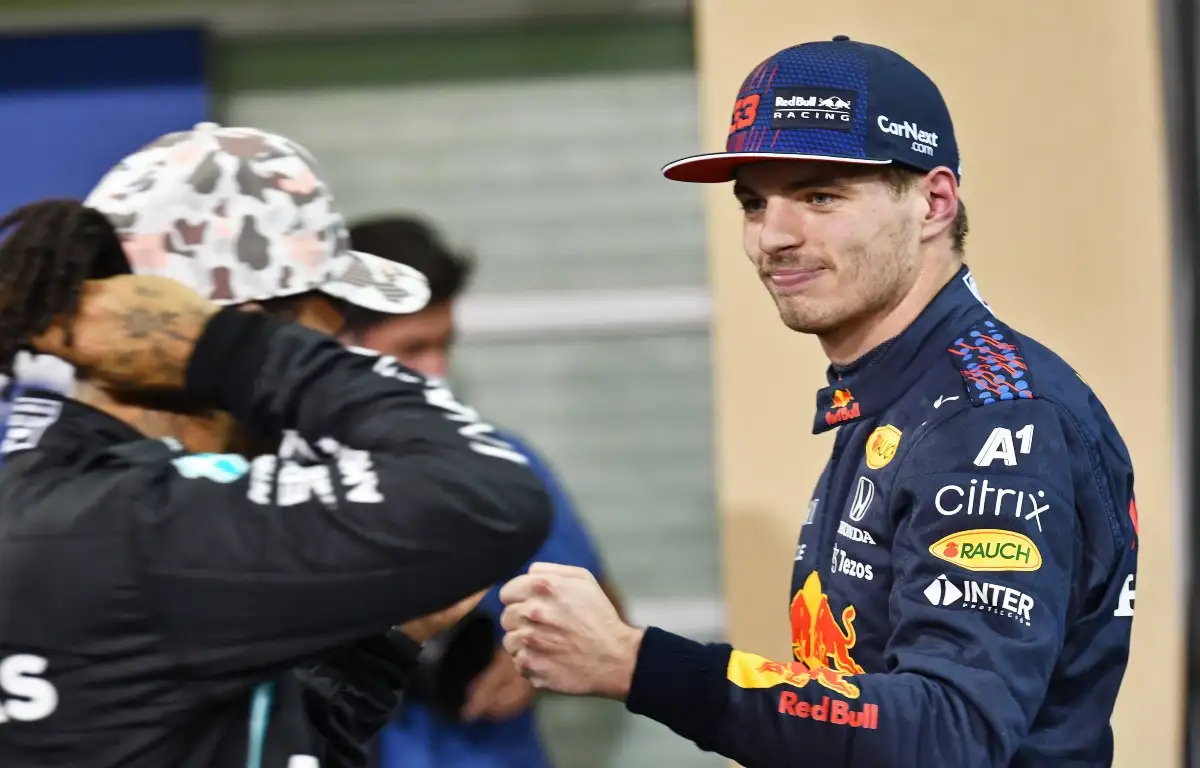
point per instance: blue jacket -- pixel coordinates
(419, 738)
(963, 590)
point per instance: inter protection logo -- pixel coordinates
(981, 596)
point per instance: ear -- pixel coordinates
(940, 190)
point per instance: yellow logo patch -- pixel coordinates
(882, 445)
(988, 549)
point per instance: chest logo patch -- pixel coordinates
(988, 549)
(882, 445)
(864, 494)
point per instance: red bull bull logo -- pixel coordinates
(821, 646)
(747, 670)
(818, 639)
(843, 407)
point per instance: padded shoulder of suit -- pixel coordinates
(997, 364)
(991, 363)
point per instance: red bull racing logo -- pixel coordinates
(843, 407)
(822, 648)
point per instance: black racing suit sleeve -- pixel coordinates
(398, 502)
(351, 693)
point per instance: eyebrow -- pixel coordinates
(741, 189)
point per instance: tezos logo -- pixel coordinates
(988, 549)
(923, 142)
(842, 563)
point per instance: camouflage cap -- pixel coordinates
(243, 215)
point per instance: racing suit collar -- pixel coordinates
(872, 383)
(78, 425)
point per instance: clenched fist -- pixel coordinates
(131, 331)
(565, 635)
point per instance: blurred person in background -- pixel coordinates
(963, 592)
(468, 706)
(223, 548)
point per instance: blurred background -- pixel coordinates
(611, 320)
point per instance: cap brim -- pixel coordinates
(377, 284)
(723, 166)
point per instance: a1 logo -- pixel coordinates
(25, 695)
(1000, 445)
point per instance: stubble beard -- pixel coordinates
(868, 284)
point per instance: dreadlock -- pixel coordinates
(56, 245)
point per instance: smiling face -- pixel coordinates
(835, 243)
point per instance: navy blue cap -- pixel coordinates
(838, 100)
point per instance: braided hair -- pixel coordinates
(54, 246)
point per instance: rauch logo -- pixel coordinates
(988, 549)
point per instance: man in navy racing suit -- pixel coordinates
(964, 587)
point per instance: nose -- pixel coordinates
(782, 227)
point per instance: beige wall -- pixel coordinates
(1057, 107)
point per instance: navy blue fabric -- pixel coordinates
(112, 59)
(963, 588)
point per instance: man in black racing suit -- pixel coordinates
(170, 596)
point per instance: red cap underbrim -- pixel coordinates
(723, 166)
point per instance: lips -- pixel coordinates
(793, 279)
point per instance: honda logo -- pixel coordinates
(864, 494)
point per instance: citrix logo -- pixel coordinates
(949, 500)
